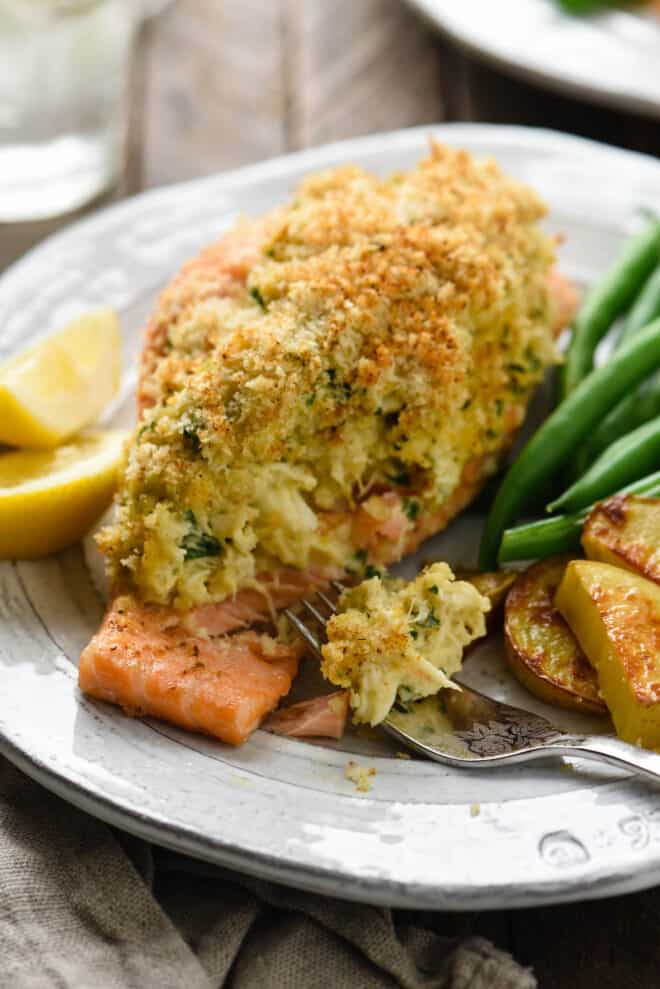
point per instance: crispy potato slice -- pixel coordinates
(542, 652)
(615, 615)
(625, 531)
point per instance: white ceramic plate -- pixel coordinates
(611, 57)
(425, 836)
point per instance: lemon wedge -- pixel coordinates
(51, 390)
(50, 498)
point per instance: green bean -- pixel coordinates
(630, 457)
(641, 405)
(606, 300)
(644, 309)
(561, 534)
(547, 537)
(633, 411)
(590, 6)
(564, 429)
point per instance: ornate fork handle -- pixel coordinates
(487, 750)
(605, 749)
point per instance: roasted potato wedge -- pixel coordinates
(542, 652)
(625, 531)
(615, 615)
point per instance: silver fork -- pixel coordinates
(477, 731)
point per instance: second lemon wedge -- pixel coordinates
(53, 389)
(50, 498)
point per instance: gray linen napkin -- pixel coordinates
(83, 907)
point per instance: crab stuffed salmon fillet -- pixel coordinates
(320, 391)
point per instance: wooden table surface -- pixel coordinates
(218, 83)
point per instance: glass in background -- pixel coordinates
(64, 74)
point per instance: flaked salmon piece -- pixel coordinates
(319, 717)
(251, 606)
(143, 659)
(379, 534)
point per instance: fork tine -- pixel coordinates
(313, 640)
(302, 630)
(311, 610)
(327, 602)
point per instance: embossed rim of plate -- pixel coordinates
(592, 70)
(594, 841)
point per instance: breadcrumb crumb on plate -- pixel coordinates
(361, 776)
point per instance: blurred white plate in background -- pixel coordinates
(611, 57)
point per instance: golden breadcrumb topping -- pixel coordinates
(322, 380)
(391, 639)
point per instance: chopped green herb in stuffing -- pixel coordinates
(411, 508)
(258, 298)
(197, 544)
